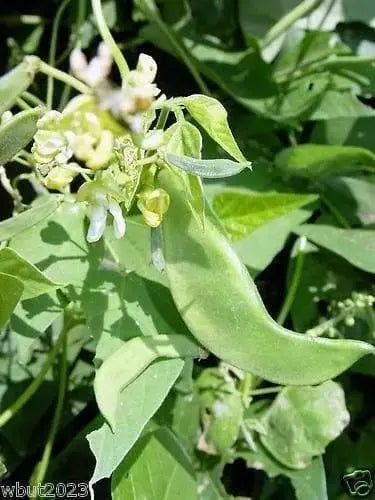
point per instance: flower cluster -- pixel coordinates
(106, 133)
(128, 103)
(52, 150)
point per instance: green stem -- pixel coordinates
(340, 61)
(246, 386)
(162, 119)
(22, 161)
(74, 39)
(289, 19)
(41, 469)
(33, 99)
(107, 37)
(148, 160)
(266, 390)
(319, 330)
(63, 77)
(13, 192)
(52, 50)
(289, 299)
(178, 46)
(22, 104)
(33, 387)
(65, 94)
(335, 212)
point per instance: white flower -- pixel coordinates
(52, 145)
(138, 95)
(5, 117)
(98, 218)
(147, 66)
(103, 199)
(152, 140)
(96, 71)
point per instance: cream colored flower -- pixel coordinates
(96, 71)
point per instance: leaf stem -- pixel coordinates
(41, 468)
(162, 119)
(304, 8)
(33, 387)
(107, 37)
(22, 104)
(33, 99)
(289, 299)
(52, 50)
(335, 212)
(319, 330)
(63, 77)
(266, 390)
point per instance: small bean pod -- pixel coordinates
(16, 81)
(16, 133)
(221, 305)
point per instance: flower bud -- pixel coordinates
(59, 177)
(94, 72)
(103, 153)
(147, 66)
(78, 63)
(5, 117)
(152, 140)
(153, 204)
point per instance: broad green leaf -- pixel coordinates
(10, 293)
(308, 417)
(183, 138)
(16, 133)
(133, 253)
(346, 131)
(221, 22)
(30, 320)
(181, 413)
(210, 486)
(57, 246)
(352, 197)
(122, 367)
(213, 169)
(258, 249)
(139, 401)
(325, 277)
(337, 103)
(313, 160)
(118, 308)
(242, 212)
(302, 49)
(35, 283)
(15, 379)
(355, 245)
(309, 483)
(142, 474)
(212, 116)
(232, 71)
(15, 82)
(28, 219)
(256, 19)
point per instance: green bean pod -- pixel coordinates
(16, 81)
(221, 305)
(16, 133)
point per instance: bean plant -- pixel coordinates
(187, 249)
